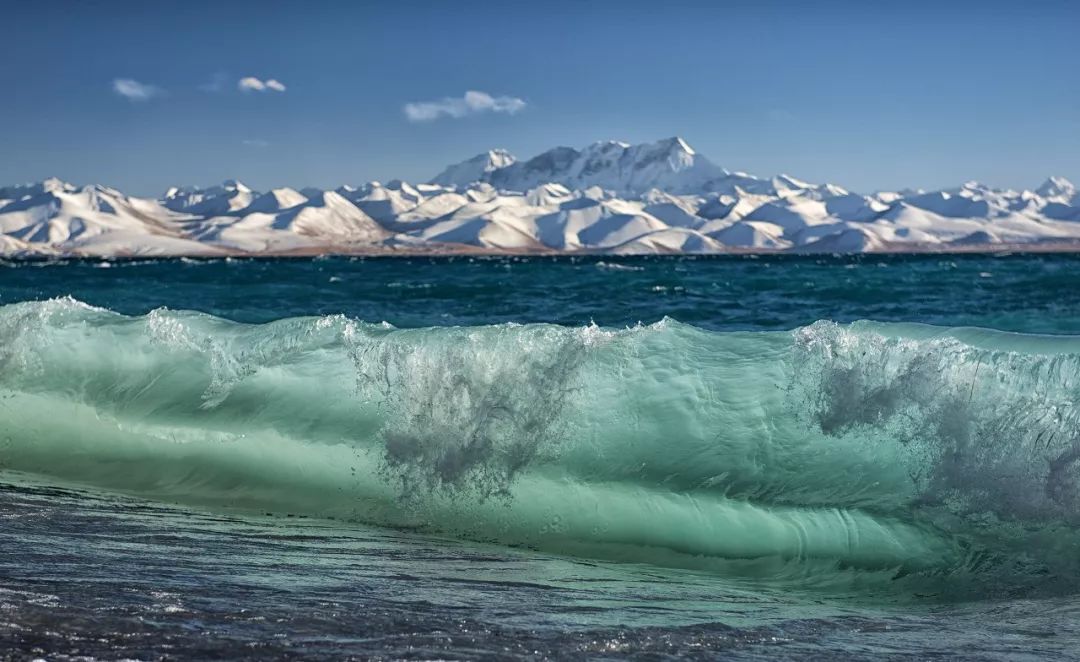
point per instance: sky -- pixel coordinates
(869, 95)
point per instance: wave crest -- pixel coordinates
(873, 449)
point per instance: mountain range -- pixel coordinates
(609, 197)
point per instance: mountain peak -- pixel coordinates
(500, 154)
(676, 143)
(606, 196)
(1055, 187)
(50, 185)
(606, 146)
(55, 184)
(669, 164)
(276, 200)
(235, 185)
(475, 169)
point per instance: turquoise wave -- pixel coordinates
(828, 454)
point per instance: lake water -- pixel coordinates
(862, 457)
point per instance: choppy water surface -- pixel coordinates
(858, 457)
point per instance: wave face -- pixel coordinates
(828, 454)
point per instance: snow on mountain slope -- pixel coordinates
(56, 217)
(548, 194)
(475, 169)
(848, 240)
(430, 211)
(486, 232)
(792, 214)
(609, 197)
(854, 207)
(751, 234)
(276, 200)
(383, 203)
(284, 220)
(230, 197)
(670, 165)
(1063, 212)
(668, 241)
(12, 247)
(1057, 189)
(508, 223)
(587, 222)
(20, 192)
(951, 205)
(673, 210)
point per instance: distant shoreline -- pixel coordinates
(451, 251)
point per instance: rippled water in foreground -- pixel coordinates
(746, 473)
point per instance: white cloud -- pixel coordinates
(255, 142)
(472, 103)
(253, 84)
(134, 90)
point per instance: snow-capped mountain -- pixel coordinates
(1057, 189)
(670, 165)
(609, 197)
(53, 215)
(476, 169)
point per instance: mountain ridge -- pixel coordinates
(608, 197)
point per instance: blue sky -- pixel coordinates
(868, 95)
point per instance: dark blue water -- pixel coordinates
(180, 486)
(1036, 293)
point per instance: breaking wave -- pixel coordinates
(828, 454)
